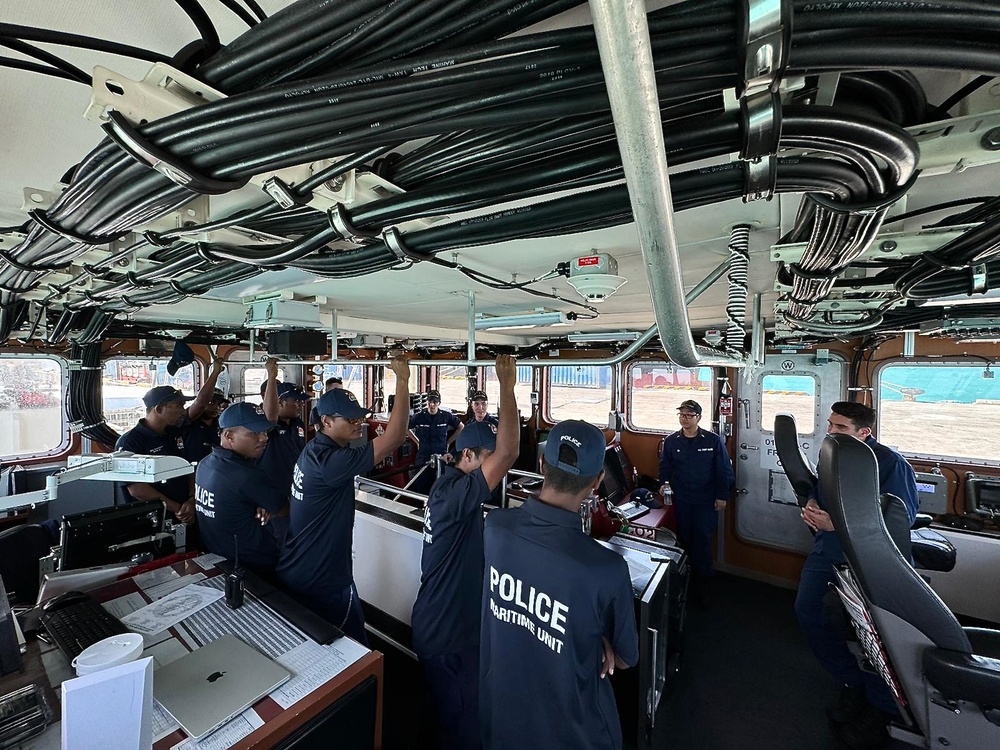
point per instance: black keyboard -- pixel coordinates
(80, 625)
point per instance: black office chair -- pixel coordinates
(20, 550)
(928, 549)
(948, 676)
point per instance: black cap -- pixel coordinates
(183, 356)
(434, 396)
(690, 406)
(163, 394)
(479, 396)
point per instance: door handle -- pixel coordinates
(744, 404)
(745, 447)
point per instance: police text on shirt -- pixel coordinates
(204, 501)
(542, 608)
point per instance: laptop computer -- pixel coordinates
(204, 689)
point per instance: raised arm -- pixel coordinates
(496, 466)
(395, 430)
(271, 392)
(204, 397)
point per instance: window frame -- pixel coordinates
(876, 386)
(198, 374)
(627, 375)
(67, 428)
(612, 385)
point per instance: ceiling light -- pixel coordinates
(529, 320)
(612, 336)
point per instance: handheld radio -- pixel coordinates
(234, 581)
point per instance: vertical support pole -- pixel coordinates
(333, 338)
(471, 353)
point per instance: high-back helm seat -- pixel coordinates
(949, 675)
(929, 550)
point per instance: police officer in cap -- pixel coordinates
(696, 464)
(286, 441)
(429, 429)
(557, 611)
(479, 402)
(316, 563)
(446, 615)
(233, 495)
(158, 434)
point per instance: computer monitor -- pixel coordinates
(108, 535)
(615, 486)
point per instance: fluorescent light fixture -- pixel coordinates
(601, 336)
(963, 299)
(529, 320)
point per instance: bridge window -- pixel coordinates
(657, 388)
(580, 393)
(126, 379)
(389, 384)
(940, 410)
(522, 390)
(789, 394)
(253, 379)
(453, 382)
(352, 375)
(32, 418)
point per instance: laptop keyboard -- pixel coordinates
(80, 625)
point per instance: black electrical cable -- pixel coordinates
(32, 67)
(255, 8)
(49, 36)
(241, 12)
(46, 57)
(201, 21)
(967, 90)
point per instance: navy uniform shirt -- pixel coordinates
(284, 444)
(228, 489)
(446, 613)
(698, 468)
(895, 477)
(317, 554)
(489, 419)
(143, 441)
(550, 594)
(199, 438)
(432, 432)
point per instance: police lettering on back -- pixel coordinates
(204, 501)
(544, 608)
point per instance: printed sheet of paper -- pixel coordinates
(227, 735)
(312, 665)
(155, 577)
(126, 605)
(170, 610)
(168, 587)
(207, 562)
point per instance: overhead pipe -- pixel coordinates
(627, 61)
(627, 353)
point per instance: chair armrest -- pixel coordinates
(922, 521)
(965, 677)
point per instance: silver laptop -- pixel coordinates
(204, 689)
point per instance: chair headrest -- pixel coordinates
(793, 461)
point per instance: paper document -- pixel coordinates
(166, 652)
(155, 577)
(311, 665)
(126, 605)
(170, 610)
(227, 735)
(207, 562)
(168, 587)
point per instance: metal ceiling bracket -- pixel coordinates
(957, 144)
(887, 246)
(163, 91)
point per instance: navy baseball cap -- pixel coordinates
(314, 416)
(218, 397)
(434, 396)
(477, 435)
(244, 415)
(479, 396)
(690, 406)
(340, 402)
(291, 391)
(163, 394)
(586, 441)
(182, 357)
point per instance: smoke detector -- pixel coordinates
(595, 276)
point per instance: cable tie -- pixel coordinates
(394, 241)
(101, 273)
(131, 141)
(30, 267)
(825, 275)
(42, 219)
(760, 178)
(156, 238)
(283, 195)
(931, 259)
(136, 281)
(202, 251)
(178, 288)
(340, 222)
(765, 35)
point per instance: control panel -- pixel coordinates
(982, 495)
(932, 492)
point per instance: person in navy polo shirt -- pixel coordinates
(316, 564)
(430, 431)
(446, 615)
(233, 494)
(286, 441)
(865, 705)
(158, 434)
(479, 402)
(200, 428)
(557, 611)
(696, 464)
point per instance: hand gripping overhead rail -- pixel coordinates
(627, 60)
